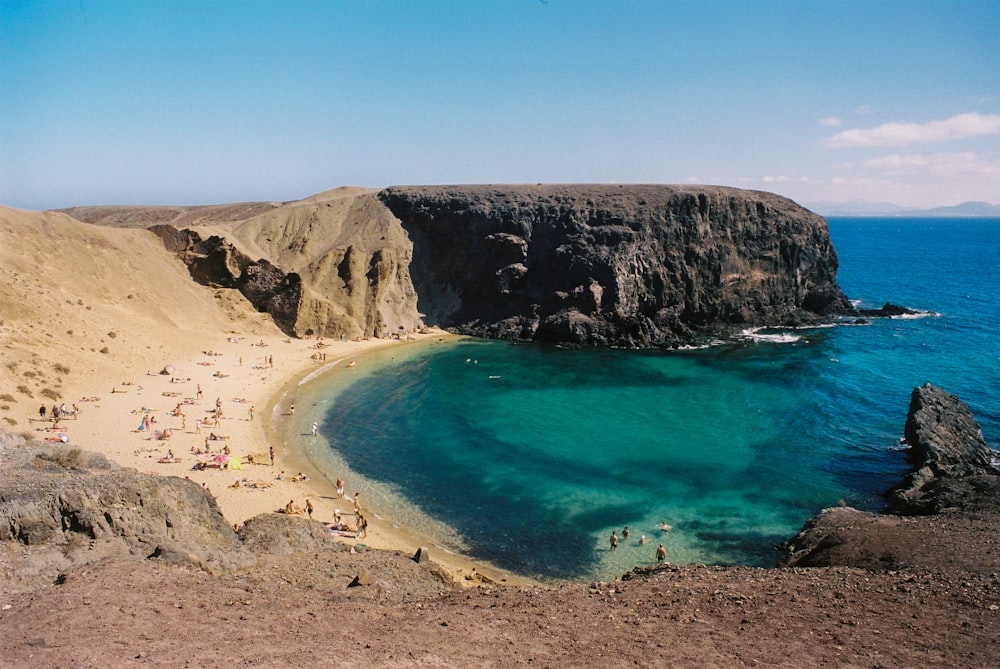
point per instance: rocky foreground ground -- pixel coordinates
(896, 591)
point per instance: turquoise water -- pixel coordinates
(528, 457)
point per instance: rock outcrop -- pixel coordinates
(333, 265)
(953, 477)
(615, 265)
(217, 263)
(950, 452)
(62, 507)
(637, 266)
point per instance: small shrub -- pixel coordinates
(49, 393)
(9, 420)
(30, 374)
(105, 350)
(24, 390)
(112, 334)
(7, 397)
(61, 368)
(70, 458)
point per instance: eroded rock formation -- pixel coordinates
(598, 265)
(953, 477)
(619, 265)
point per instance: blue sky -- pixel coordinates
(209, 102)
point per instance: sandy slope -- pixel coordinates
(91, 315)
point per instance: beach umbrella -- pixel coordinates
(168, 369)
(233, 463)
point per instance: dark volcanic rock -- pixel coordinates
(888, 310)
(948, 447)
(953, 477)
(216, 262)
(615, 265)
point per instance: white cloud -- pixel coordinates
(957, 165)
(863, 110)
(831, 122)
(902, 134)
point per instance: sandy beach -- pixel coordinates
(116, 329)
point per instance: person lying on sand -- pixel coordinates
(292, 508)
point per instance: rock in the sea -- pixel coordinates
(953, 475)
(947, 446)
(615, 265)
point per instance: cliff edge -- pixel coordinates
(615, 265)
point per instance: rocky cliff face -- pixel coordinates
(614, 265)
(587, 265)
(336, 264)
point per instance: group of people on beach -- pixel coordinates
(661, 551)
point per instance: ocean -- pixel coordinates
(529, 456)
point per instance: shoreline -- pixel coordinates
(384, 534)
(240, 373)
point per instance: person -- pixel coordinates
(357, 504)
(250, 411)
(362, 528)
(625, 533)
(291, 409)
(292, 508)
(309, 507)
(199, 392)
(642, 539)
(41, 411)
(664, 527)
(315, 428)
(614, 540)
(270, 452)
(340, 488)
(661, 553)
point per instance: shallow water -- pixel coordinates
(530, 456)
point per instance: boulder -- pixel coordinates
(948, 449)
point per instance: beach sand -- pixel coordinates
(91, 317)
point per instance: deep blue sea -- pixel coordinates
(528, 457)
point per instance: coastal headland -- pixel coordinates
(120, 324)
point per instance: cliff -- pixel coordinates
(614, 265)
(634, 266)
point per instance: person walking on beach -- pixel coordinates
(661, 553)
(250, 412)
(357, 504)
(340, 488)
(41, 411)
(270, 452)
(614, 540)
(309, 507)
(315, 428)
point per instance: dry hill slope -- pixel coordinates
(80, 301)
